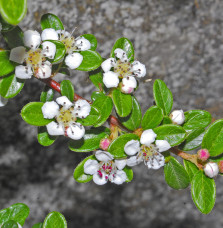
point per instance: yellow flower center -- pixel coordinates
(69, 43)
(147, 151)
(122, 68)
(66, 116)
(35, 58)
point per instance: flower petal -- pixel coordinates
(76, 131)
(133, 161)
(3, 101)
(17, 54)
(138, 69)
(32, 39)
(162, 145)
(74, 60)
(49, 49)
(64, 101)
(120, 164)
(110, 79)
(82, 108)
(49, 34)
(91, 167)
(120, 177)
(45, 70)
(50, 109)
(100, 180)
(156, 161)
(54, 128)
(177, 117)
(108, 64)
(82, 43)
(23, 72)
(132, 147)
(128, 84)
(120, 54)
(148, 137)
(103, 156)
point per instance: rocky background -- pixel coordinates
(180, 42)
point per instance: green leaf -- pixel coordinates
(38, 225)
(213, 138)
(5, 26)
(193, 139)
(44, 138)
(133, 120)
(92, 39)
(175, 174)
(116, 148)
(122, 102)
(55, 220)
(125, 45)
(91, 60)
(190, 168)
(47, 94)
(90, 141)
(166, 120)
(6, 65)
(163, 96)
(10, 224)
(50, 20)
(152, 118)
(129, 173)
(17, 212)
(196, 119)
(32, 114)
(13, 11)
(174, 134)
(203, 192)
(10, 86)
(79, 174)
(96, 94)
(67, 89)
(96, 77)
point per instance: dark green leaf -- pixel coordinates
(203, 192)
(44, 138)
(129, 173)
(5, 26)
(50, 20)
(96, 77)
(6, 65)
(67, 89)
(32, 114)
(92, 39)
(166, 120)
(10, 224)
(55, 220)
(175, 174)
(96, 94)
(163, 96)
(47, 94)
(190, 168)
(38, 225)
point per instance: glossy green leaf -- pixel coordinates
(152, 118)
(193, 139)
(90, 141)
(133, 120)
(203, 192)
(129, 173)
(91, 60)
(32, 114)
(92, 39)
(190, 168)
(166, 120)
(10, 86)
(50, 20)
(38, 225)
(96, 77)
(13, 11)
(213, 138)
(79, 174)
(67, 89)
(17, 212)
(175, 174)
(55, 220)
(44, 138)
(174, 134)
(196, 119)
(116, 148)
(47, 94)
(6, 65)
(163, 96)
(125, 45)
(122, 102)
(10, 224)
(96, 94)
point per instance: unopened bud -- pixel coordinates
(211, 169)
(104, 143)
(177, 117)
(203, 155)
(220, 166)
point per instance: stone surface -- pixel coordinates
(179, 42)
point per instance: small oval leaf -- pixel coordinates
(6, 65)
(67, 89)
(50, 20)
(44, 138)
(55, 220)
(190, 168)
(47, 94)
(92, 39)
(129, 173)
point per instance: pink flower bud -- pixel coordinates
(203, 155)
(104, 144)
(220, 166)
(211, 169)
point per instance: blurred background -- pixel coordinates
(180, 42)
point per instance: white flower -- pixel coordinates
(211, 169)
(162, 145)
(35, 59)
(66, 114)
(177, 117)
(128, 84)
(3, 101)
(148, 137)
(49, 34)
(105, 168)
(74, 60)
(110, 79)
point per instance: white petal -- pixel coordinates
(108, 64)
(76, 131)
(156, 162)
(120, 164)
(49, 49)
(74, 60)
(19, 226)
(110, 79)
(133, 161)
(162, 145)
(91, 167)
(82, 43)
(128, 84)
(82, 108)
(49, 34)
(3, 101)
(45, 70)
(177, 116)
(23, 72)
(31, 39)
(132, 147)
(148, 137)
(120, 177)
(50, 109)
(138, 69)
(63, 32)
(100, 180)
(103, 156)
(64, 101)
(54, 128)
(17, 54)
(120, 54)
(211, 169)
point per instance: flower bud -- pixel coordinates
(177, 117)
(220, 166)
(211, 169)
(104, 144)
(203, 155)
